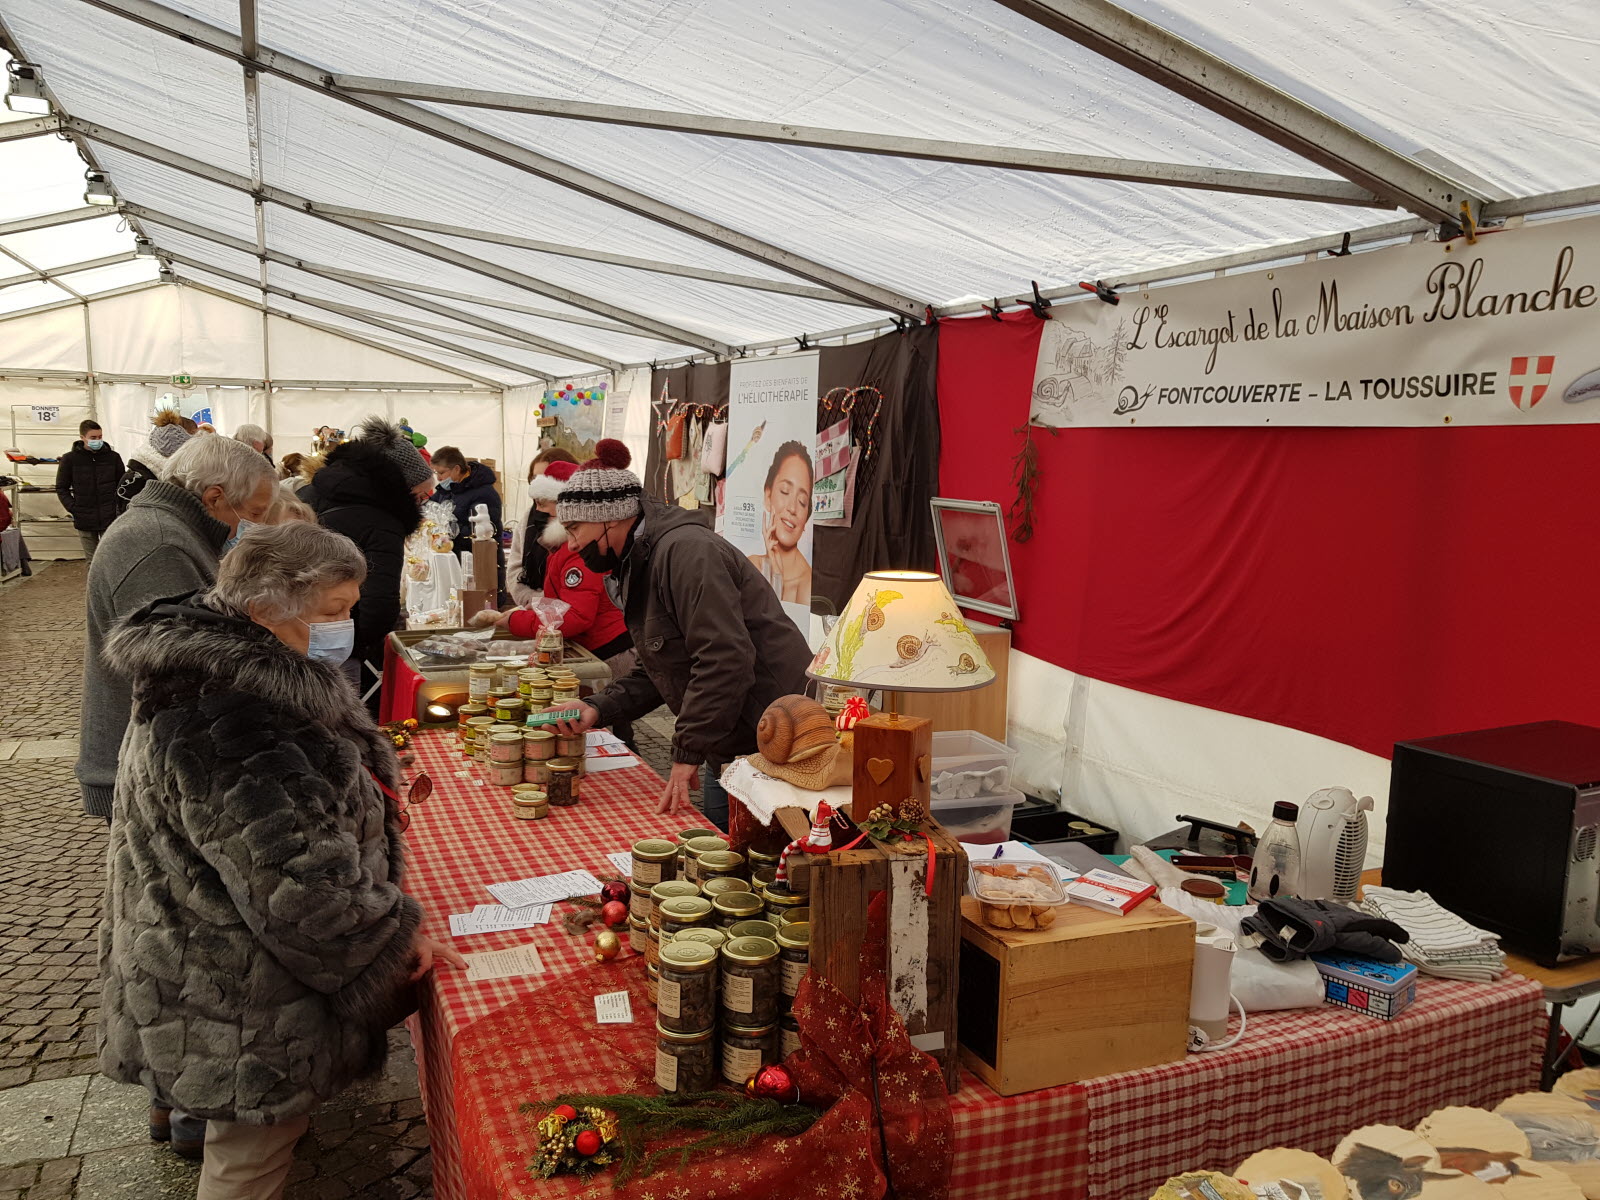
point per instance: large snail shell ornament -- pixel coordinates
(793, 729)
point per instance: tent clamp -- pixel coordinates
(1344, 250)
(901, 324)
(929, 317)
(1102, 291)
(993, 312)
(804, 341)
(1040, 306)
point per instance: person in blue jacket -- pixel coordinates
(464, 485)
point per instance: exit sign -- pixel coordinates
(182, 380)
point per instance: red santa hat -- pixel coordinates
(552, 483)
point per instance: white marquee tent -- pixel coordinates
(434, 207)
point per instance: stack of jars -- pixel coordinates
(505, 755)
(723, 961)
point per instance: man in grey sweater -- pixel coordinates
(167, 544)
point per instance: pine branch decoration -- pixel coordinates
(1025, 474)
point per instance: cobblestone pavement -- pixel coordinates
(66, 1132)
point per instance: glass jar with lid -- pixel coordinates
(655, 860)
(759, 928)
(547, 647)
(538, 744)
(480, 678)
(686, 1000)
(723, 884)
(570, 745)
(705, 935)
(716, 864)
(746, 1048)
(683, 912)
(509, 708)
(685, 1062)
(563, 787)
(791, 915)
(794, 960)
(685, 836)
(781, 898)
(732, 907)
(638, 936)
(750, 980)
(671, 889)
(761, 877)
(639, 904)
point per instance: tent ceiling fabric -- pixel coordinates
(1499, 98)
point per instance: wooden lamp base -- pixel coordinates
(893, 761)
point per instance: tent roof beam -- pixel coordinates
(202, 170)
(753, 282)
(1013, 158)
(377, 322)
(93, 297)
(517, 336)
(36, 273)
(49, 220)
(13, 131)
(208, 37)
(1200, 76)
(336, 331)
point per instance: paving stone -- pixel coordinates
(145, 1172)
(114, 1114)
(36, 1121)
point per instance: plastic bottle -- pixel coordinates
(1275, 873)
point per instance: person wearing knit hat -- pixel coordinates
(371, 489)
(712, 639)
(167, 437)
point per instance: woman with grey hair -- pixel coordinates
(256, 942)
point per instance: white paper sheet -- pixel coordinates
(622, 860)
(504, 964)
(544, 889)
(613, 1008)
(497, 918)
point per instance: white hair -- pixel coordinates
(205, 462)
(276, 572)
(253, 436)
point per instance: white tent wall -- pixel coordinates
(1132, 759)
(302, 352)
(47, 341)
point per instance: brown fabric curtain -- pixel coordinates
(703, 385)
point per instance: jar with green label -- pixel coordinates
(750, 980)
(715, 864)
(794, 960)
(655, 860)
(746, 1048)
(685, 1062)
(732, 907)
(509, 708)
(683, 912)
(686, 1000)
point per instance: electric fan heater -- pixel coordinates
(1333, 844)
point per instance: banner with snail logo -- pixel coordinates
(1496, 332)
(771, 473)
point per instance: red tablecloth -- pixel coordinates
(1300, 1079)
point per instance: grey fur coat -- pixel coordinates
(256, 944)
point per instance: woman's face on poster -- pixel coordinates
(789, 501)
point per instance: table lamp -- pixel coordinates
(901, 632)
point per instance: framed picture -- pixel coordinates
(974, 557)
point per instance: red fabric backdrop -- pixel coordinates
(1368, 585)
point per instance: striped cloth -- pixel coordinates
(1441, 943)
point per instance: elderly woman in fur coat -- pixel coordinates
(256, 942)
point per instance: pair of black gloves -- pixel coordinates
(1294, 929)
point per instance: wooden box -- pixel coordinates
(1095, 994)
(924, 935)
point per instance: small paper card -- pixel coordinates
(544, 889)
(613, 1008)
(622, 860)
(496, 918)
(504, 964)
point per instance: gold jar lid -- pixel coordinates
(529, 799)
(482, 669)
(750, 950)
(723, 862)
(472, 709)
(790, 915)
(722, 885)
(562, 765)
(538, 735)
(673, 889)
(683, 1039)
(685, 909)
(506, 739)
(746, 906)
(687, 835)
(639, 925)
(738, 1030)
(482, 722)
(760, 858)
(779, 894)
(654, 849)
(688, 956)
(500, 727)
(705, 845)
(761, 876)
(760, 929)
(708, 937)
(796, 935)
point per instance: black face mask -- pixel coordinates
(605, 561)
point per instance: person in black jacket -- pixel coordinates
(371, 489)
(465, 485)
(86, 482)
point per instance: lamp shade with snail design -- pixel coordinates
(902, 632)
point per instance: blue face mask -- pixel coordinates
(243, 528)
(331, 641)
(446, 484)
(95, 444)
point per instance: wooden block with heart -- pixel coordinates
(892, 758)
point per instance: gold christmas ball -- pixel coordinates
(606, 945)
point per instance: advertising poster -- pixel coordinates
(1496, 332)
(772, 436)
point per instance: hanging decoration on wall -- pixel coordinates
(579, 412)
(845, 449)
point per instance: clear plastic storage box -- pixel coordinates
(984, 819)
(976, 765)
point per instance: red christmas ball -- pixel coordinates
(587, 1143)
(566, 1112)
(773, 1083)
(614, 912)
(615, 890)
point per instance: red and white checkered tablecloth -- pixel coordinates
(1300, 1079)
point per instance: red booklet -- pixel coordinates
(1109, 892)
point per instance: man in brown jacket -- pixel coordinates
(713, 642)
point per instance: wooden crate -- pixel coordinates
(1095, 994)
(924, 937)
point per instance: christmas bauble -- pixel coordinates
(606, 945)
(773, 1083)
(566, 1112)
(615, 890)
(614, 912)
(587, 1143)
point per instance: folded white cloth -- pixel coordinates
(1441, 944)
(762, 795)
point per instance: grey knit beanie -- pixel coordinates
(397, 448)
(602, 489)
(169, 439)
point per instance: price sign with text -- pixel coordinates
(47, 414)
